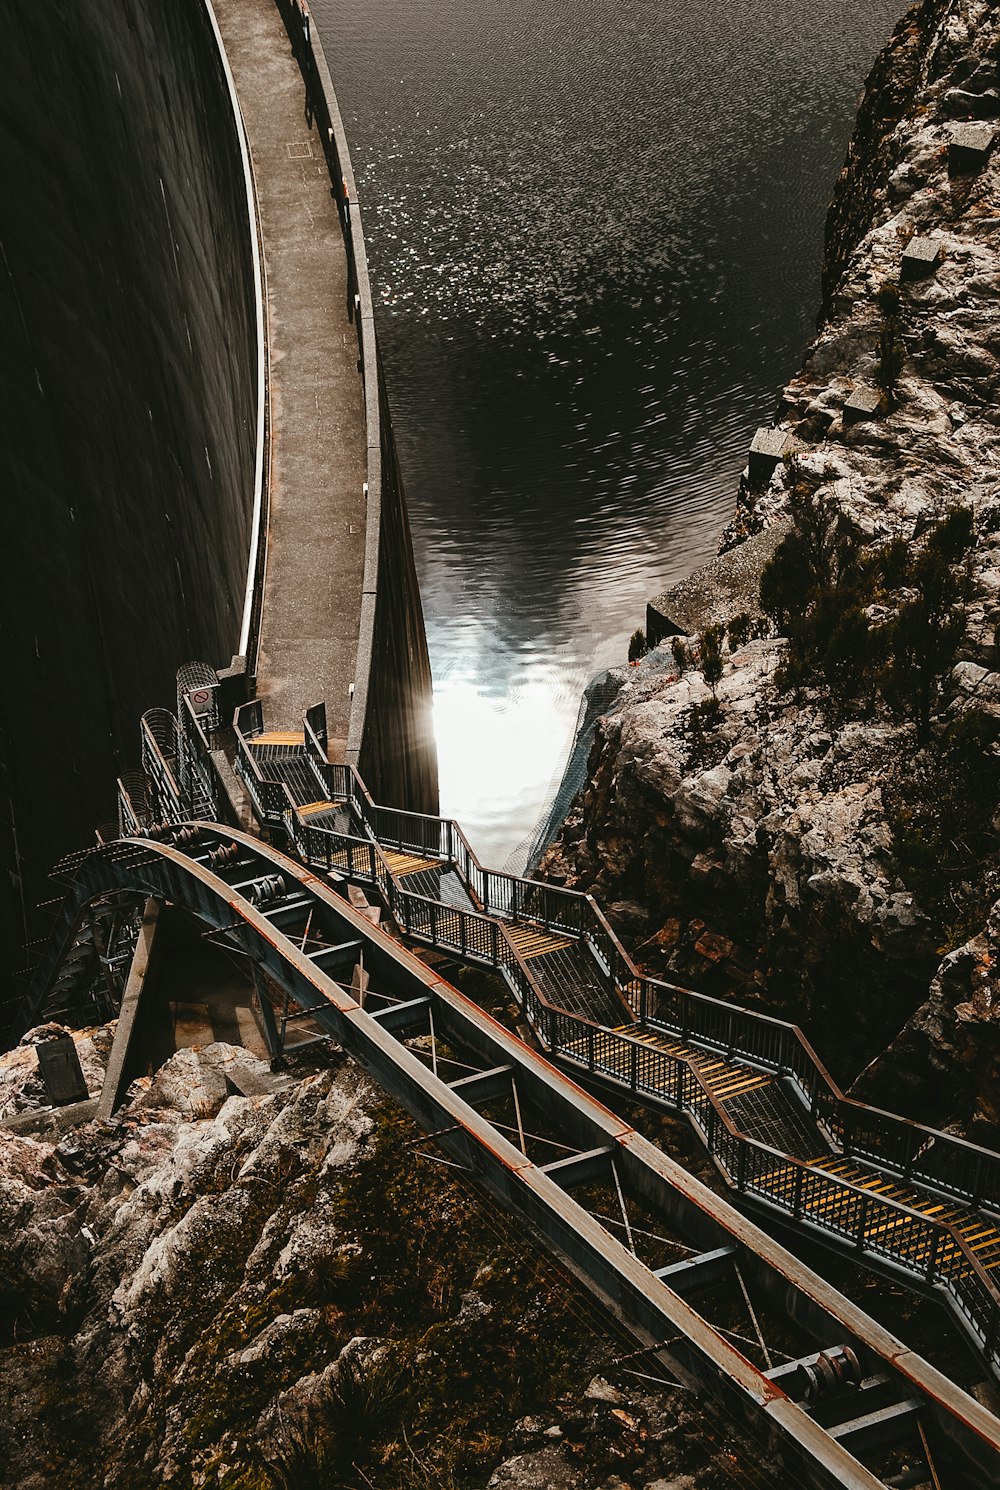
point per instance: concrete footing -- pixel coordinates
(116, 1078)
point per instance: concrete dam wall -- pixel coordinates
(129, 365)
(128, 397)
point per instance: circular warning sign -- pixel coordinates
(201, 696)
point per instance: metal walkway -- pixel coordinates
(918, 1204)
(814, 1386)
(921, 1205)
(310, 603)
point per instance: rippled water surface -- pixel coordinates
(595, 232)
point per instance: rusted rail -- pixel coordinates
(307, 942)
(918, 1204)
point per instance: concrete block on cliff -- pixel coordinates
(61, 1071)
(767, 448)
(863, 403)
(920, 257)
(969, 147)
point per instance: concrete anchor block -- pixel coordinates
(61, 1071)
(863, 403)
(920, 257)
(767, 448)
(969, 146)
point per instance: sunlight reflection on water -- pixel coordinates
(516, 740)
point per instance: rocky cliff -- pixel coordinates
(772, 835)
(283, 1289)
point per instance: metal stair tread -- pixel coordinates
(402, 864)
(288, 737)
(310, 809)
(532, 942)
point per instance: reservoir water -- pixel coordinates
(595, 232)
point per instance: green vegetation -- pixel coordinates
(710, 657)
(811, 590)
(923, 640)
(681, 654)
(740, 629)
(705, 747)
(822, 590)
(940, 804)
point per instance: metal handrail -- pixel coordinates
(160, 755)
(195, 747)
(965, 1169)
(929, 1250)
(735, 1152)
(249, 637)
(133, 802)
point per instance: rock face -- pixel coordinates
(219, 1290)
(759, 848)
(21, 1085)
(947, 1056)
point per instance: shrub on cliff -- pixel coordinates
(637, 645)
(820, 587)
(812, 590)
(681, 653)
(940, 804)
(740, 629)
(891, 353)
(817, 556)
(924, 638)
(710, 656)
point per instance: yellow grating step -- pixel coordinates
(724, 1079)
(279, 737)
(736, 1086)
(309, 808)
(530, 941)
(403, 864)
(979, 1235)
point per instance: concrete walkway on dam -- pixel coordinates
(316, 528)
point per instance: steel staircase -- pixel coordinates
(921, 1205)
(918, 1204)
(861, 1412)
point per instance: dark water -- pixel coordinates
(595, 232)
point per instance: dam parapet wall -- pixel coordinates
(390, 735)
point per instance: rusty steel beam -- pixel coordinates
(963, 1432)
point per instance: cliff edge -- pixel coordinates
(255, 1281)
(811, 825)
